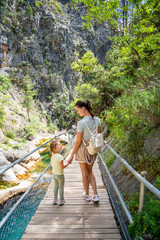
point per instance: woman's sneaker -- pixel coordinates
(61, 203)
(55, 202)
(95, 199)
(86, 197)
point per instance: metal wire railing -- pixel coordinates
(22, 158)
(29, 189)
(122, 212)
(135, 173)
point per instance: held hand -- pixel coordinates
(70, 159)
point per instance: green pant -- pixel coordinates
(58, 184)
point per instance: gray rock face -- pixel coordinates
(9, 156)
(125, 181)
(152, 144)
(3, 160)
(43, 46)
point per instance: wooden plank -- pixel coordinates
(74, 210)
(73, 226)
(72, 236)
(77, 219)
(33, 238)
(58, 229)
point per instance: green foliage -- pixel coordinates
(86, 64)
(3, 102)
(5, 83)
(130, 97)
(91, 93)
(29, 94)
(57, 7)
(50, 3)
(29, 10)
(94, 73)
(10, 134)
(47, 63)
(32, 128)
(15, 146)
(109, 158)
(62, 114)
(2, 117)
(128, 82)
(52, 128)
(157, 182)
(147, 222)
(2, 4)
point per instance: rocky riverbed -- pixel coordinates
(18, 178)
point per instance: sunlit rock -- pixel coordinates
(20, 171)
(9, 175)
(11, 192)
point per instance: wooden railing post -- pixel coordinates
(142, 192)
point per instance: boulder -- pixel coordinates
(19, 153)
(20, 171)
(9, 156)
(3, 161)
(9, 175)
(13, 191)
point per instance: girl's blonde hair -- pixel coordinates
(53, 145)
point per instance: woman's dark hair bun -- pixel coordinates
(85, 103)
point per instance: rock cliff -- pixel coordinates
(42, 42)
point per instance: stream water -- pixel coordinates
(15, 226)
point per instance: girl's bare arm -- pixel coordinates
(62, 165)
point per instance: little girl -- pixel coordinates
(57, 171)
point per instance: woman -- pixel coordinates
(86, 160)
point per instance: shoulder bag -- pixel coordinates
(96, 141)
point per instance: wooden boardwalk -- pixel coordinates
(77, 219)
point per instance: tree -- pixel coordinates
(29, 95)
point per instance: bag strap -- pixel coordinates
(89, 128)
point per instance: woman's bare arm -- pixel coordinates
(77, 144)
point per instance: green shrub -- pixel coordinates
(33, 127)
(2, 118)
(147, 222)
(2, 4)
(29, 94)
(29, 10)
(10, 134)
(52, 128)
(110, 157)
(62, 114)
(29, 130)
(5, 83)
(91, 93)
(157, 182)
(15, 147)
